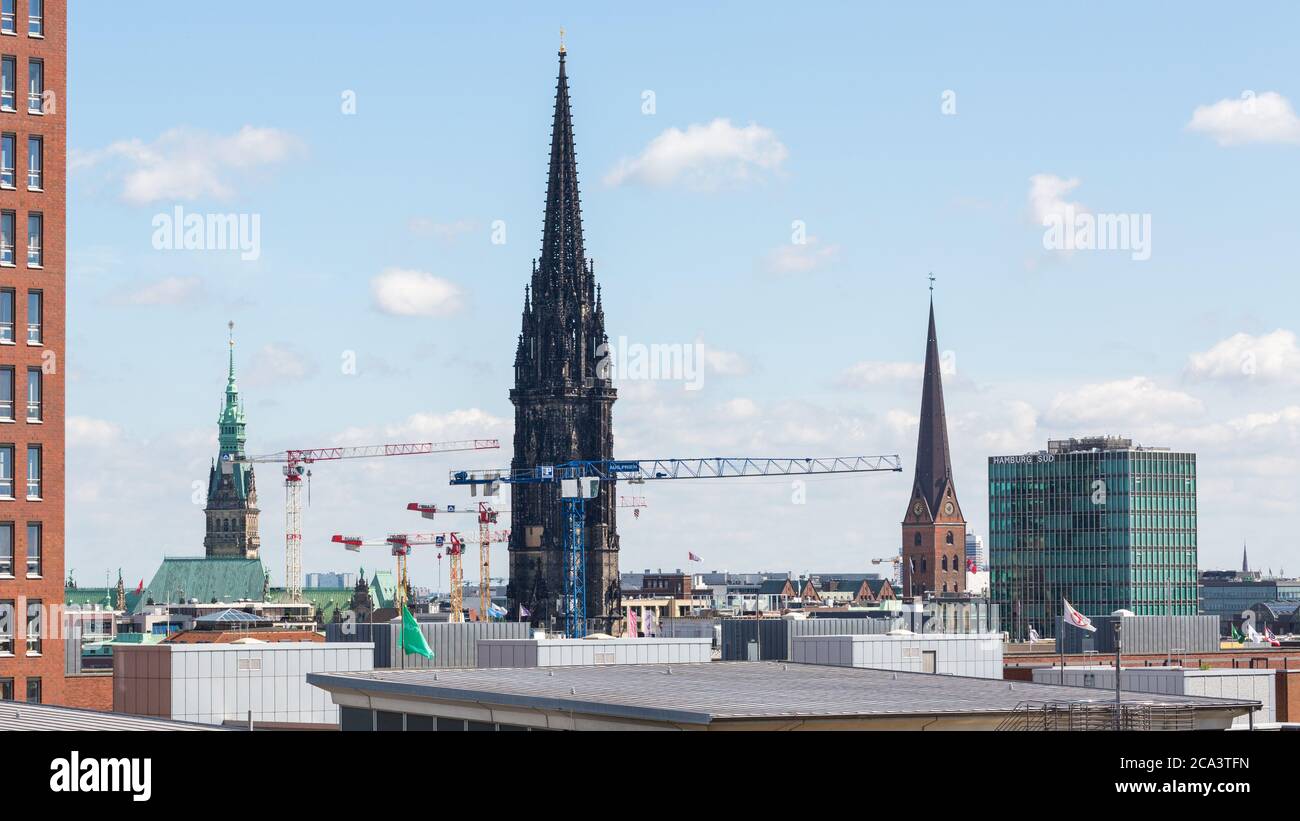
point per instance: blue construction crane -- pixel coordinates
(580, 481)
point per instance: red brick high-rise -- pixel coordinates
(33, 134)
(934, 529)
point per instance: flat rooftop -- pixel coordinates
(719, 691)
(16, 715)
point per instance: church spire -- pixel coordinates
(230, 423)
(933, 459)
(562, 250)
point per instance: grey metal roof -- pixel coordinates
(701, 693)
(16, 715)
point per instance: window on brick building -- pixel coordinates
(6, 316)
(6, 394)
(35, 87)
(8, 145)
(8, 83)
(9, 17)
(35, 163)
(7, 222)
(33, 476)
(35, 240)
(7, 549)
(6, 633)
(6, 689)
(34, 549)
(33, 690)
(34, 404)
(34, 627)
(6, 471)
(35, 18)
(35, 319)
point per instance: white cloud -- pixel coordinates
(1273, 357)
(166, 291)
(278, 365)
(800, 258)
(1134, 401)
(402, 292)
(187, 164)
(738, 409)
(870, 373)
(1047, 197)
(703, 157)
(725, 363)
(1252, 118)
(85, 431)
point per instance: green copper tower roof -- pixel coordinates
(231, 420)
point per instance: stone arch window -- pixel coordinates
(916, 540)
(948, 538)
(956, 565)
(945, 562)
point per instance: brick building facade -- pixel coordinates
(33, 148)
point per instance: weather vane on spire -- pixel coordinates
(932, 282)
(561, 39)
(231, 326)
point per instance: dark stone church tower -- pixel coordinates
(934, 529)
(563, 400)
(232, 491)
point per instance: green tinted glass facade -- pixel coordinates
(1104, 528)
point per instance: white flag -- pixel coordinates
(1252, 634)
(1033, 636)
(1076, 618)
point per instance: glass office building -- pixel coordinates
(1098, 521)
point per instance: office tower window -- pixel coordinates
(7, 237)
(34, 563)
(6, 471)
(8, 144)
(33, 481)
(34, 627)
(6, 394)
(6, 642)
(35, 306)
(35, 230)
(35, 163)
(36, 18)
(35, 87)
(8, 83)
(6, 316)
(33, 394)
(6, 549)
(33, 690)
(9, 17)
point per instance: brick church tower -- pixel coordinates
(934, 529)
(232, 490)
(563, 402)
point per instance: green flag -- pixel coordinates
(1236, 634)
(411, 640)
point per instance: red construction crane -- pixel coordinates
(294, 460)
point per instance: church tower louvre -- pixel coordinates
(934, 529)
(563, 401)
(232, 489)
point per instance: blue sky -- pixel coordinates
(832, 115)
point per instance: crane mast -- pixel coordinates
(294, 473)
